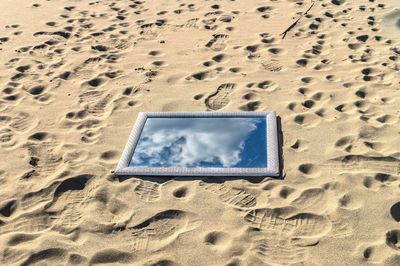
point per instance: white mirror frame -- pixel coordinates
(272, 169)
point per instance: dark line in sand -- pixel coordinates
(295, 23)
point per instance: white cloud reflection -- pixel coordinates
(191, 142)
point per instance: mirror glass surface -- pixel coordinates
(202, 142)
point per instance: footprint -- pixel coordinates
(219, 58)
(161, 225)
(286, 222)
(48, 154)
(395, 211)
(180, 192)
(267, 84)
(86, 70)
(276, 51)
(393, 239)
(387, 119)
(263, 9)
(100, 107)
(74, 194)
(38, 136)
(297, 145)
(7, 138)
(341, 228)
(20, 238)
(250, 106)
(308, 104)
(382, 164)
(299, 119)
(150, 30)
(217, 43)
(45, 256)
(23, 122)
(94, 103)
(7, 208)
(90, 130)
(36, 90)
(162, 262)
(220, 99)
(344, 142)
(233, 196)
(109, 155)
(235, 69)
(201, 75)
(190, 24)
(302, 62)
(130, 91)
(32, 222)
(90, 96)
(157, 231)
(250, 96)
(113, 256)
(156, 53)
(37, 198)
(90, 136)
(272, 65)
(306, 168)
(76, 259)
(73, 183)
(119, 44)
(369, 183)
(216, 238)
(384, 178)
(285, 191)
(372, 253)
(12, 256)
(312, 199)
(198, 97)
(96, 82)
(275, 251)
(148, 191)
(13, 98)
(208, 63)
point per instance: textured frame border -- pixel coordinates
(272, 168)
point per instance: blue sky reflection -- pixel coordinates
(222, 142)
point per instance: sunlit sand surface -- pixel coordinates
(74, 75)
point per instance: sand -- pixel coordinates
(74, 75)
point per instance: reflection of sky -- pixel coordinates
(202, 142)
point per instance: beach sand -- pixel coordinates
(74, 75)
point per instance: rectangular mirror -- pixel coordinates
(205, 144)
